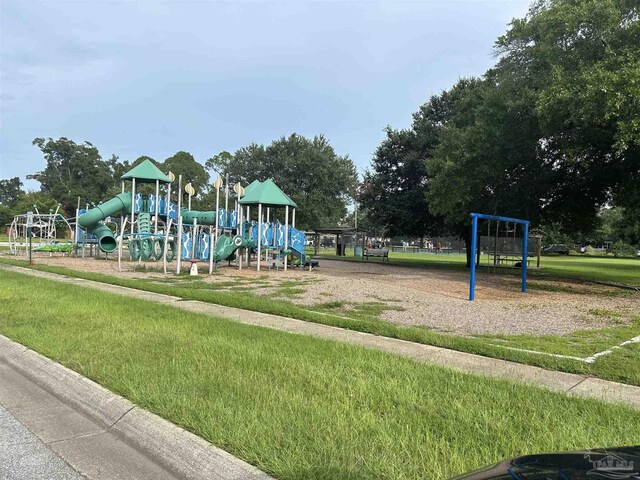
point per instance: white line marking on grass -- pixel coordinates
(557, 355)
(590, 359)
(595, 356)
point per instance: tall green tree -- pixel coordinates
(183, 163)
(487, 159)
(320, 181)
(10, 191)
(551, 133)
(392, 195)
(582, 62)
(73, 170)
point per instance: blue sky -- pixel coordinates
(152, 78)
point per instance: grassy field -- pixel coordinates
(296, 406)
(578, 267)
(623, 365)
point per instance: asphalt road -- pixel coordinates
(23, 455)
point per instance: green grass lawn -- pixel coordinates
(623, 365)
(578, 267)
(296, 406)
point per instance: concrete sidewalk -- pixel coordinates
(58, 423)
(572, 384)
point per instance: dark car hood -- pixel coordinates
(622, 463)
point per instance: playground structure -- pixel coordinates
(519, 258)
(43, 228)
(153, 227)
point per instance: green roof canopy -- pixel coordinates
(146, 172)
(251, 186)
(266, 193)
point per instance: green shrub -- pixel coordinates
(621, 249)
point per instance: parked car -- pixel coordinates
(559, 248)
(621, 463)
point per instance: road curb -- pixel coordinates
(181, 452)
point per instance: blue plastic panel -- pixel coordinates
(173, 211)
(151, 204)
(204, 239)
(137, 207)
(297, 239)
(232, 219)
(186, 245)
(279, 235)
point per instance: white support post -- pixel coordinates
(168, 204)
(179, 262)
(193, 238)
(286, 234)
(239, 232)
(211, 245)
(122, 227)
(155, 223)
(121, 215)
(259, 233)
(166, 246)
(133, 202)
(248, 232)
(226, 197)
(217, 211)
(293, 219)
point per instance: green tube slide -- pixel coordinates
(92, 220)
(203, 218)
(227, 246)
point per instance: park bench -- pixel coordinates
(509, 260)
(376, 252)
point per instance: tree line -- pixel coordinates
(319, 180)
(551, 133)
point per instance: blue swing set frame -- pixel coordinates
(474, 247)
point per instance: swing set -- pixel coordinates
(501, 251)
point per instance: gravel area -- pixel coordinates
(435, 299)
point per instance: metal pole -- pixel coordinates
(179, 262)
(356, 218)
(474, 245)
(293, 219)
(286, 235)
(193, 238)
(259, 233)
(168, 204)
(239, 232)
(226, 197)
(211, 244)
(217, 210)
(30, 235)
(133, 202)
(121, 217)
(495, 253)
(525, 251)
(248, 233)
(155, 225)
